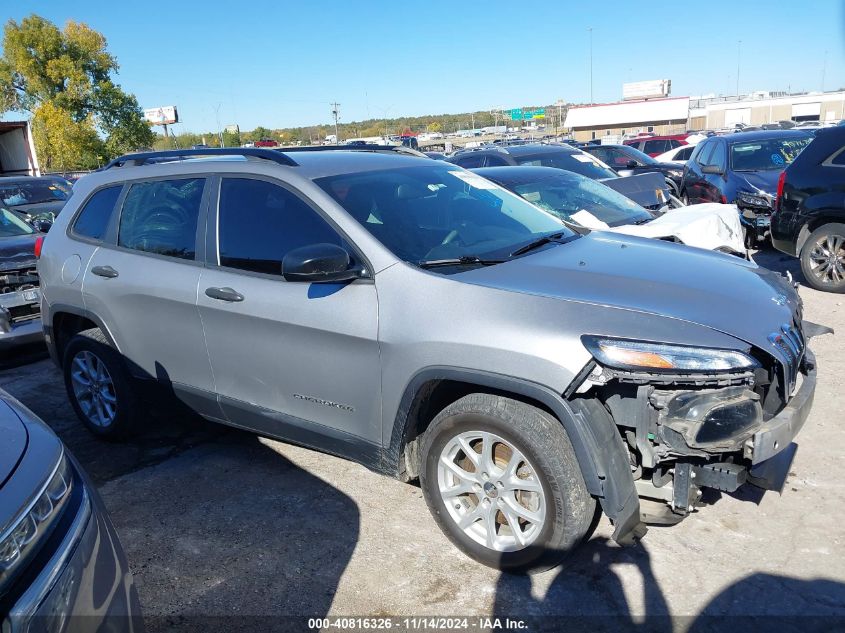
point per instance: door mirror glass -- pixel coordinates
(319, 263)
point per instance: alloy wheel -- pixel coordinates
(491, 491)
(827, 259)
(93, 388)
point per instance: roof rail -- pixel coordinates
(142, 158)
(358, 147)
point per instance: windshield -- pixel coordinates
(581, 200)
(11, 225)
(437, 212)
(32, 192)
(578, 162)
(766, 154)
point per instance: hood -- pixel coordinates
(18, 251)
(40, 207)
(14, 441)
(710, 225)
(717, 291)
(765, 181)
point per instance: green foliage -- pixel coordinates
(63, 143)
(44, 69)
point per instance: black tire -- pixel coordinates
(570, 510)
(832, 231)
(126, 410)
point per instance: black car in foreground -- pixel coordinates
(627, 161)
(61, 564)
(809, 217)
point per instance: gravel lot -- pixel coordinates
(219, 522)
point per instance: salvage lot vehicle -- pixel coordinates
(60, 557)
(429, 324)
(679, 155)
(742, 168)
(562, 156)
(654, 145)
(19, 295)
(585, 202)
(809, 217)
(629, 160)
(34, 198)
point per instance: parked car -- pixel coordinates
(679, 155)
(809, 216)
(35, 199)
(743, 169)
(559, 156)
(420, 319)
(628, 161)
(60, 559)
(584, 202)
(20, 298)
(654, 145)
(266, 142)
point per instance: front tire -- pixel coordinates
(823, 258)
(502, 481)
(99, 386)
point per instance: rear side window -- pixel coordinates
(260, 222)
(160, 217)
(684, 154)
(656, 147)
(95, 216)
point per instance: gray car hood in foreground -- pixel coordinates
(12, 441)
(721, 292)
(18, 251)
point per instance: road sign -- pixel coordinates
(516, 114)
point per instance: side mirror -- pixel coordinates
(712, 169)
(42, 225)
(319, 263)
(632, 164)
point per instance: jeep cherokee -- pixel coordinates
(417, 318)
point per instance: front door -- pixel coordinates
(295, 360)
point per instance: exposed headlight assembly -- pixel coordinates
(20, 538)
(755, 200)
(658, 357)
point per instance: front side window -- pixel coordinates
(706, 149)
(160, 217)
(717, 158)
(94, 218)
(471, 161)
(425, 213)
(260, 222)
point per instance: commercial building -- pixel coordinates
(676, 115)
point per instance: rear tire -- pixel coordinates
(823, 258)
(99, 386)
(523, 473)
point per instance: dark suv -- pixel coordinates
(809, 217)
(628, 161)
(742, 169)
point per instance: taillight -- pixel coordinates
(39, 242)
(781, 182)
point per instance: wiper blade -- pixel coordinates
(466, 260)
(540, 241)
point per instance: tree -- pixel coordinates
(69, 69)
(63, 143)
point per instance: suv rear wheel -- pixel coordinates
(502, 481)
(99, 386)
(823, 258)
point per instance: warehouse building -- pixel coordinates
(676, 115)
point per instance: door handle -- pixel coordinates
(104, 271)
(224, 294)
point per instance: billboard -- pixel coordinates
(164, 115)
(652, 89)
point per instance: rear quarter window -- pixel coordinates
(93, 220)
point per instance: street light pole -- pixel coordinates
(590, 29)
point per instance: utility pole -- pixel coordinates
(738, 53)
(590, 29)
(336, 115)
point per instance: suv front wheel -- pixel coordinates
(99, 386)
(502, 481)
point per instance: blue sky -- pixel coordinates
(281, 63)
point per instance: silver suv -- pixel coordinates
(410, 315)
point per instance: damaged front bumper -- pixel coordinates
(20, 321)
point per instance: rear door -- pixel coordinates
(294, 360)
(142, 282)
